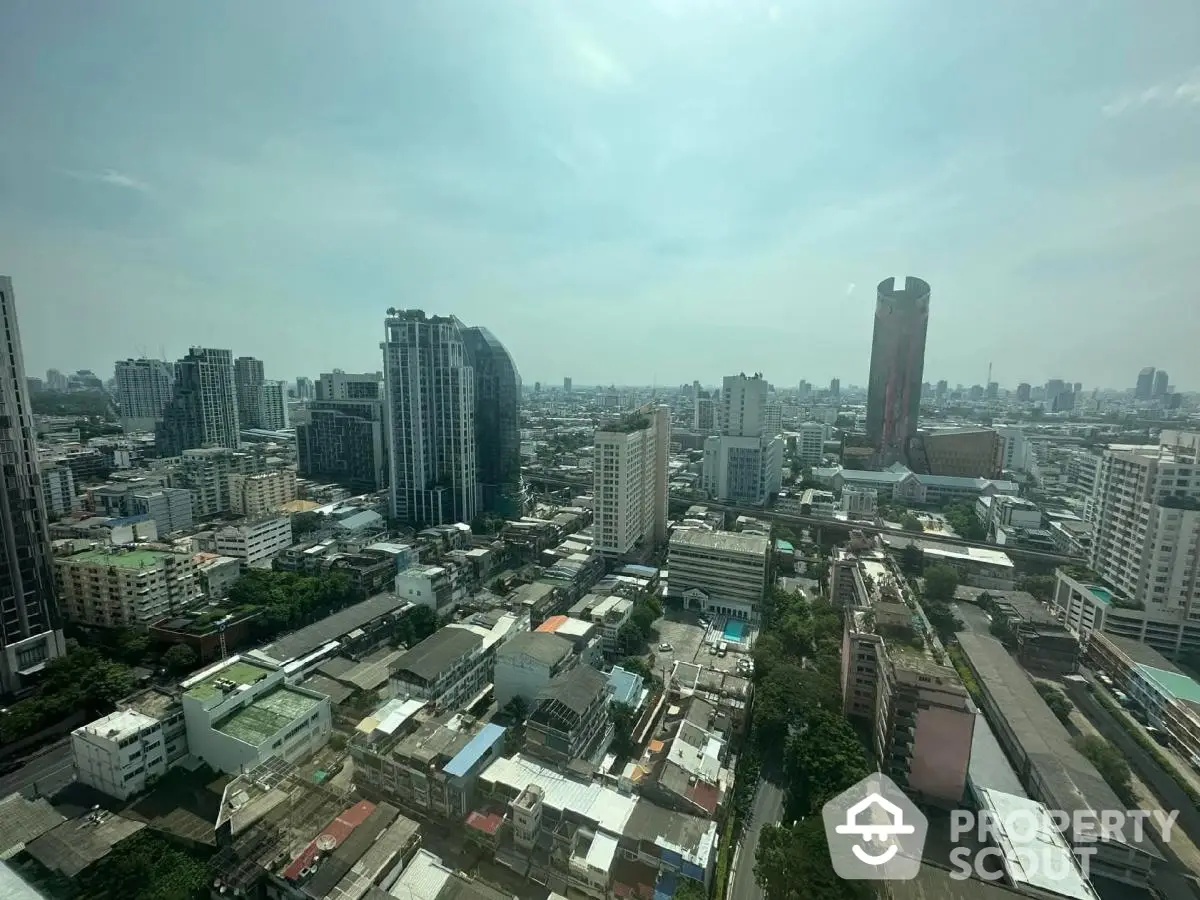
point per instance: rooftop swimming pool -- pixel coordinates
(1102, 594)
(734, 630)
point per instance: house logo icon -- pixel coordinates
(874, 831)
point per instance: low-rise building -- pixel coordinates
(122, 587)
(448, 669)
(860, 502)
(569, 717)
(527, 663)
(118, 753)
(427, 586)
(241, 713)
(608, 613)
(719, 573)
(256, 542)
(217, 574)
(170, 508)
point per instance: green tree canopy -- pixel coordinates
(1111, 765)
(824, 757)
(940, 583)
(792, 863)
(180, 658)
(1040, 586)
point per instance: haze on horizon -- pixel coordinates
(634, 192)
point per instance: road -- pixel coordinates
(767, 810)
(42, 775)
(972, 617)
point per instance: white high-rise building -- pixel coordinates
(273, 406)
(810, 442)
(144, 388)
(744, 463)
(630, 481)
(58, 487)
(429, 417)
(1014, 452)
(1145, 515)
(772, 418)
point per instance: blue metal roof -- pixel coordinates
(625, 686)
(473, 752)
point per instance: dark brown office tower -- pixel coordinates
(30, 630)
(897, 366)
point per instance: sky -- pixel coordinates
(628, 192)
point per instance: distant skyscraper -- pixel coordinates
(497, 423)
(630, 471)
(273, 406)
(203, 409)
(248, 381)
(1145, 384)
(993, 390)
(56, 381)
(835, 387)
(897, 366)
(942, 389)
(567, 385)
(704, 414)
(805, 390)
(1023, 392)
(343, 440)
(30, 629)
(744, 463)
(1160, 385)
(144, 388)
(304, 389)
(430, 414)
(743, 401)
(1077, 387)
(772, 418)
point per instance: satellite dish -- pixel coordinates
(326, 842)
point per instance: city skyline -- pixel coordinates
(606, 161)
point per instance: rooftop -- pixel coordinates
(726, 541)
(305, 640)
(1175, 684)
(123, 559)
(268, 715)
(542, 646)
(235, 669)
(575, 689)
(74, 845)
(118, 725)
(480, 744)
(22, 820)
(429, 658)
(592, 801)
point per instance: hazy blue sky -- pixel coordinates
(623, 191)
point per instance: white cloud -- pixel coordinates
(112, 178)
(1164, 95)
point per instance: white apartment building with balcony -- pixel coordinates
(810, 442)
(744, 463)
(630, 482)
(1145, 548)
(256, 542)
(720, 572)
(261, 495)
(118, 587)
(58, 489)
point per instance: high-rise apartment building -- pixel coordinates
(1145, 516)
(429, 411)
(897, 366)
(704, 414)
(497, 424)
(248, 383)
(273, 406)
(744, 463)
(567, 384)
(261, 495)
(835, 388)
(343, 440)
(1159, 390)
(1145, 384)
(144, 388)
(57, 381)
(810, 442)
(205, 472)
(30, 628)
(630, 482)
(203, 409)
(772, 417)
(58, 489)
(304, 389)
(1023, 392)
(116, 587)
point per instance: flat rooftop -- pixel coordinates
(268, 715)
(240, 671)
(724, 541)
(126, 559)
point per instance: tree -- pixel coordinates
(146, 866)
(516, 709)
(179, 659)
(624, 719)
(1110, 764)
(307, 522)
(792, 863)
(638, 666)
(912, 559)
(963, 520)
(1056, 700)
(823, 759)
(1040, 586)
(944, 622)
(940, 583)
(688, 889)
(912, 523)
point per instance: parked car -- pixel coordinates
(665, 647)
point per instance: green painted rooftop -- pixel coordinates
(240, 672)
(268, 715)
(1178, 685)
(130, 559)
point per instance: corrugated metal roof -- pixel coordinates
(466, 758)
